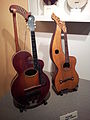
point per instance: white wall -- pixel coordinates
(79, 46)
(61, 9)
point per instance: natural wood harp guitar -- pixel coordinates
(65, 77)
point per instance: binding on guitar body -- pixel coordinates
(31, 84)
(65, 77)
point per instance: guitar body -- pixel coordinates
(65, 77)
(23, 92)
(22, 60)
(31, 85)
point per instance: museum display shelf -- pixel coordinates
(43, 12)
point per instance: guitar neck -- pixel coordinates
(35, 58)
(66, 48)
(34, 50)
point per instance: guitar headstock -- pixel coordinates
(60, 23)
(31, 21)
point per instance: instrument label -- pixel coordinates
(70, 116)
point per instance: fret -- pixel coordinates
(66, 49)
(34, 50)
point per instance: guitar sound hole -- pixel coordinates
(30, 72)
(66, 65)
(56, 51)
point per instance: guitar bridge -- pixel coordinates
(65, 80)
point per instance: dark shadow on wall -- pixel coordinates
(8, 42)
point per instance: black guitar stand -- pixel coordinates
(65, 91)
(27, 104)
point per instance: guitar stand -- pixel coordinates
(27, 105)
(44, 102)
(65, 91)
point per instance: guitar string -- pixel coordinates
(69, 69)
(66, 68)
(25, 37)
(25, 40)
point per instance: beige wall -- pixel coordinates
(7, 45)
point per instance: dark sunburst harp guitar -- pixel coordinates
(30, 83)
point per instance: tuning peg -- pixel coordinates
(35, 24)
(27, 26)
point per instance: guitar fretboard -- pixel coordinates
(66, 48)
(34, 50)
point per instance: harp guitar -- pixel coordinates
(31, 84)
(65, 77)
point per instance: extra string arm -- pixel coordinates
(20, 10)
(13, 9)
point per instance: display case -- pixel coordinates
(62, 8)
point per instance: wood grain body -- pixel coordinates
(22, 60)
(22, 86)
(66, 73)
(56, 45)
(62, 74)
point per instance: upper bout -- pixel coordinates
(72, 59)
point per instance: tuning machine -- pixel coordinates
(35, 24)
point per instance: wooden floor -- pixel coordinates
(57, 105)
